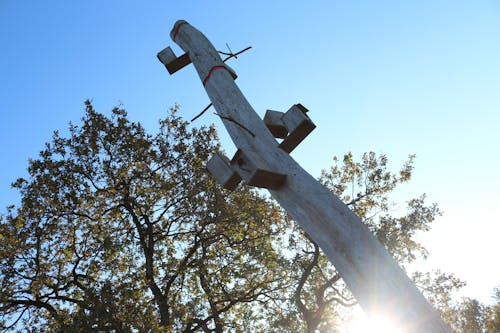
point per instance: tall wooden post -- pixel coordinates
(374, 278)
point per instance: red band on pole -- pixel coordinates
(177, 29)
(210, 73)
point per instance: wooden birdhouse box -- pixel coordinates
(292, 126)
(248, 166)
(171, 62)
(275, 124)
(220, 168)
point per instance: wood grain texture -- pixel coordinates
(298, 125)
(220, 168)
(275, 124)
(374, 278)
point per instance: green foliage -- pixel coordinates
(121, 230)
(438, 287)
(493, 321)
(468, 315)
(471, 316)
(319, 299)
(366, 186)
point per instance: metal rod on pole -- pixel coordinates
(372, 275)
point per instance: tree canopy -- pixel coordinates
(470, 315)
(120, 230)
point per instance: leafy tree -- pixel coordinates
(472, 316)
(320, 297)
(120, 230)
(493, 321)
(439, 287)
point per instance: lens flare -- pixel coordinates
(363, 324)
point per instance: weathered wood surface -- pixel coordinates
(298, 125)
(275, 124)
(219, 166)
(374, 278)
(173, 63)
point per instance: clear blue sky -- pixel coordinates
(397, 77)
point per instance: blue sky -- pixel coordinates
(396, 77)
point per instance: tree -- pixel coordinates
(472, 316)
(439, 287)
(319, 297)
(493, 321)
(468, 315)
(120, 230)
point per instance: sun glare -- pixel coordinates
(372, 325)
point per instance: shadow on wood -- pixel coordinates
(292, 126)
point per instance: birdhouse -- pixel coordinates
(292, 126)
(220, 168)
(248, 166)
(275, 124)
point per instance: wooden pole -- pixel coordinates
(374, 278)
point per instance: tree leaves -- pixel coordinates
(117, 226)
(120, 229)
(320, 296)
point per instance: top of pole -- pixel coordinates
(176, 28)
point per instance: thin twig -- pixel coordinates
(230, 55)
(202, 112)
(230, 51)
(237, 123)
(233, 55)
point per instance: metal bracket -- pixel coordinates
(292, 126)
